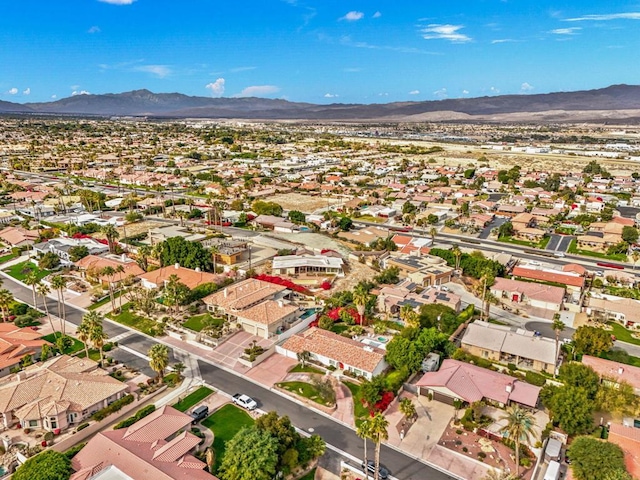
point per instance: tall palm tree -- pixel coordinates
(97, 334)
(109, 272)
(6, 298)
(215, 250)
(487, 280)
(159, 359)
(111, 233)
(32, 280)
(43, 291)
(558, 327)
(432, 233)
(364, 432)
(379, 425)
(519, 428)
(144, 252)
(83, 332)
(409, 316)
(360, 300)
(59, 283)
(457, 253)
(635, 255)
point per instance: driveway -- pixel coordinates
(495, 223)
(231, 349)
(273, 370)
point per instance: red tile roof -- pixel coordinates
(548, 276)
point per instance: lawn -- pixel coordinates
(307, 368)
(573, 248)
(76, 347)
(10, 256)
(305, 390)
(198, 322)
(309, 476)
(623, 334)
(93, 354)
(104, 301)
(339, 328)
(360, 413)
(225, 423)
(192, 399)
(517, 242)
(370, 218)
(621, 357)
(126, 317)
(19, 271)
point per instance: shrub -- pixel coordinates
(73, 451)
(114, 407)
(140, 414)
(535, 379)
(459, 432)
(383, 403)
(23, 320)
(82, 426)
(394, 380)
(512, 367)
(465, 449)
(482, 455)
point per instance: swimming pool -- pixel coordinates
(3, 472)
(373, 343)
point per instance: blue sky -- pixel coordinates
(318, 51)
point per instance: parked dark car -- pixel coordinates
(383, 473)
(199, 414)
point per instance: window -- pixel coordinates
(33, 423)
(54, 422)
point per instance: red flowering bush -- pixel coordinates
(326, 285)
(284, 282)
(383, 403)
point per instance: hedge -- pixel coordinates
(140, 414)
(114, 407)
(73, 451)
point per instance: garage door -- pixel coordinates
(442, 398)
(249, 328)
(262, 332)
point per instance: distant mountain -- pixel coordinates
(617, 99)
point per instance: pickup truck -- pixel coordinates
(245, 401)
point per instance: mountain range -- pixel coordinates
(613, 102)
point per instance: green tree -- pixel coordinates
(281, 429)
(571, 408)
(261, 207)
(618, 397)
(48, 465)
(158, 359)
(364, 431)
(252, 454)
(297, 217)
(372, 390)
(78, 252)
(558, 327)
(59, 283)
(592, 341)
(402, 352)
(185, 253)
(407, 408)
(519, 428)
(43, 290)
(345, 223)
(575, 374)
(594, 459)
(6, 299)
(83, 332)
(379, 433)
(179, 367)
(506, 230)
(142, 258)
(111, 234)
(360, 299)
(49, 261)
(389, 275)
(33, 281)
(408, 208)
(97, 334)
(629, 234)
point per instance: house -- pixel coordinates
(337, 351)
(307, 265)
(391, 299)
(614, 373)
(425, 270)
(506, 344)
(468, 383)
(260, 308)
(573, 281)
(60, 393)
(229, 252)
(160, 234)
(157, 279)
(536, 295)
(157, 447)
(61, 246)
(92, 266)
(627, 437)
(18, 236)
(17, 343)
(623, 310)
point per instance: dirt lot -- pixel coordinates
(134, 228)
(302, 202)
(356, 272)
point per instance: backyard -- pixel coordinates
(225, 423)
(76, 346)
(20, 271)
(573, 248)
(193, 399)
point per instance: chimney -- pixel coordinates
(620, 370)
(509, 388)
(123, 258)
(280, 303)
(198, 269)
(225, 293)
(176, 266)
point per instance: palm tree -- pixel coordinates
(43, 291)
(487, 280)
(303, 357)
(497, 474)
(6, 299)
(215, 250)
(109, 272)
(407, 408)
(59, 283)
(159, 359)
(364, 432)
(360, 300)
(457, 253)
(32, 280)
(519, 428)
(432, 233)
(379, 425)
(83, 332)
(143, 257)
(636, 256)
(558, 327)
(112, 235)
(179, 368)
(410, 316)
(97, 334)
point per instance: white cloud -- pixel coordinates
(217, 87)
(526, 87)
(94, 29)
(445, 32)
(606, 17)
(352, 69)
(118, 2)
(352, 16)
(241, 69)
(54, 96)
(13, 91)
(79, 92)
(465, 92)
(502, 40)
(330, 95)
(566, 31)
(494, 90)
(414, 92)
(258, 90)
(26, 91)
(159, 71)
(385, 94)
(442, 93)
(377, 15)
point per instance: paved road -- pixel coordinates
(341, 437)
